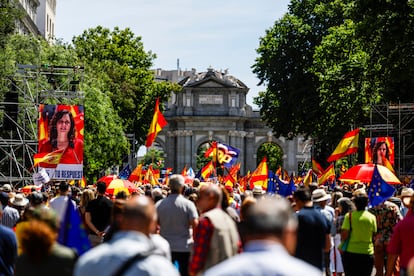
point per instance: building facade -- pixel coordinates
(38, 18)
(45, 20)
(212, 107)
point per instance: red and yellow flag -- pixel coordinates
(231, 176)
(260, 175)
(316, 167)
(308, 178)
(51, 159)
(347, 146)
(150, 177)
(184, 171)
(207, 170)
(158, 122)
(136, 173)
(386, 162)
(328, 173)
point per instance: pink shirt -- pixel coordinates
(401, 242)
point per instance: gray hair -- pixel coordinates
(270, 216)
(176, 183)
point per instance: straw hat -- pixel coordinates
(406, 194)
(257, 190)
(7, 188)
(19, 200)
(319, 195)
(360, 192)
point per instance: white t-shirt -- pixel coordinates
(59, 204)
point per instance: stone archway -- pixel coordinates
(212, 106)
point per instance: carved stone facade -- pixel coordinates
(212, 106)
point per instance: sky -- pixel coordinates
(222, 34)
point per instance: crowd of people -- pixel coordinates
(208, 229)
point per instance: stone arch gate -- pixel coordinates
(212, 107)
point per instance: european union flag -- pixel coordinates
(286, 189)
(379, 190)
(271, 183)
(72, 232)
(125, 172)
(278, 186)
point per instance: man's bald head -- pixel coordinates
(209, 197)
(139, 215)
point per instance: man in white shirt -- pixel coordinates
(60, 203)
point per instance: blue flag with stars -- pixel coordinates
(72, 232)
(379, 190)
(125, 172)
(271, 183)
(278, 186)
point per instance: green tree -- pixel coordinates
(155, 157)
(9, 15)
(119, 59)
(201, 159)
(273, 153)
(326, 63)
(105, 141)
(386, 31)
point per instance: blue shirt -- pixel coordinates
(8, 251)
(108, 257)
(311, 238)
(263, 258)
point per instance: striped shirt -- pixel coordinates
(10, 217)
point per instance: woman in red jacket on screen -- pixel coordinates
(62, 137)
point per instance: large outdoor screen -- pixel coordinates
(61, 132)
(379, 145)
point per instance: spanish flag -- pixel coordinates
(260, 175)
(386, 162)
(207, 170)
(347, 146)
(184, 171)
(211, 151)
(136, 174)
(328, 173)
(308, 178)
(51, 159)
(158, 122)
(316, 167)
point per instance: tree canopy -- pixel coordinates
(119, 60)
(118, 85)
(326, 63)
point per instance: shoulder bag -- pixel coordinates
(344, 244)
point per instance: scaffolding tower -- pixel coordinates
(397, 121)
(30, 86)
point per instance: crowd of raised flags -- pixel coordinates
(279, 182)
(225, 156)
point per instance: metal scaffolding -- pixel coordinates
(397, 121)
(34, 85)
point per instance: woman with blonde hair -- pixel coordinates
(86, 197)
